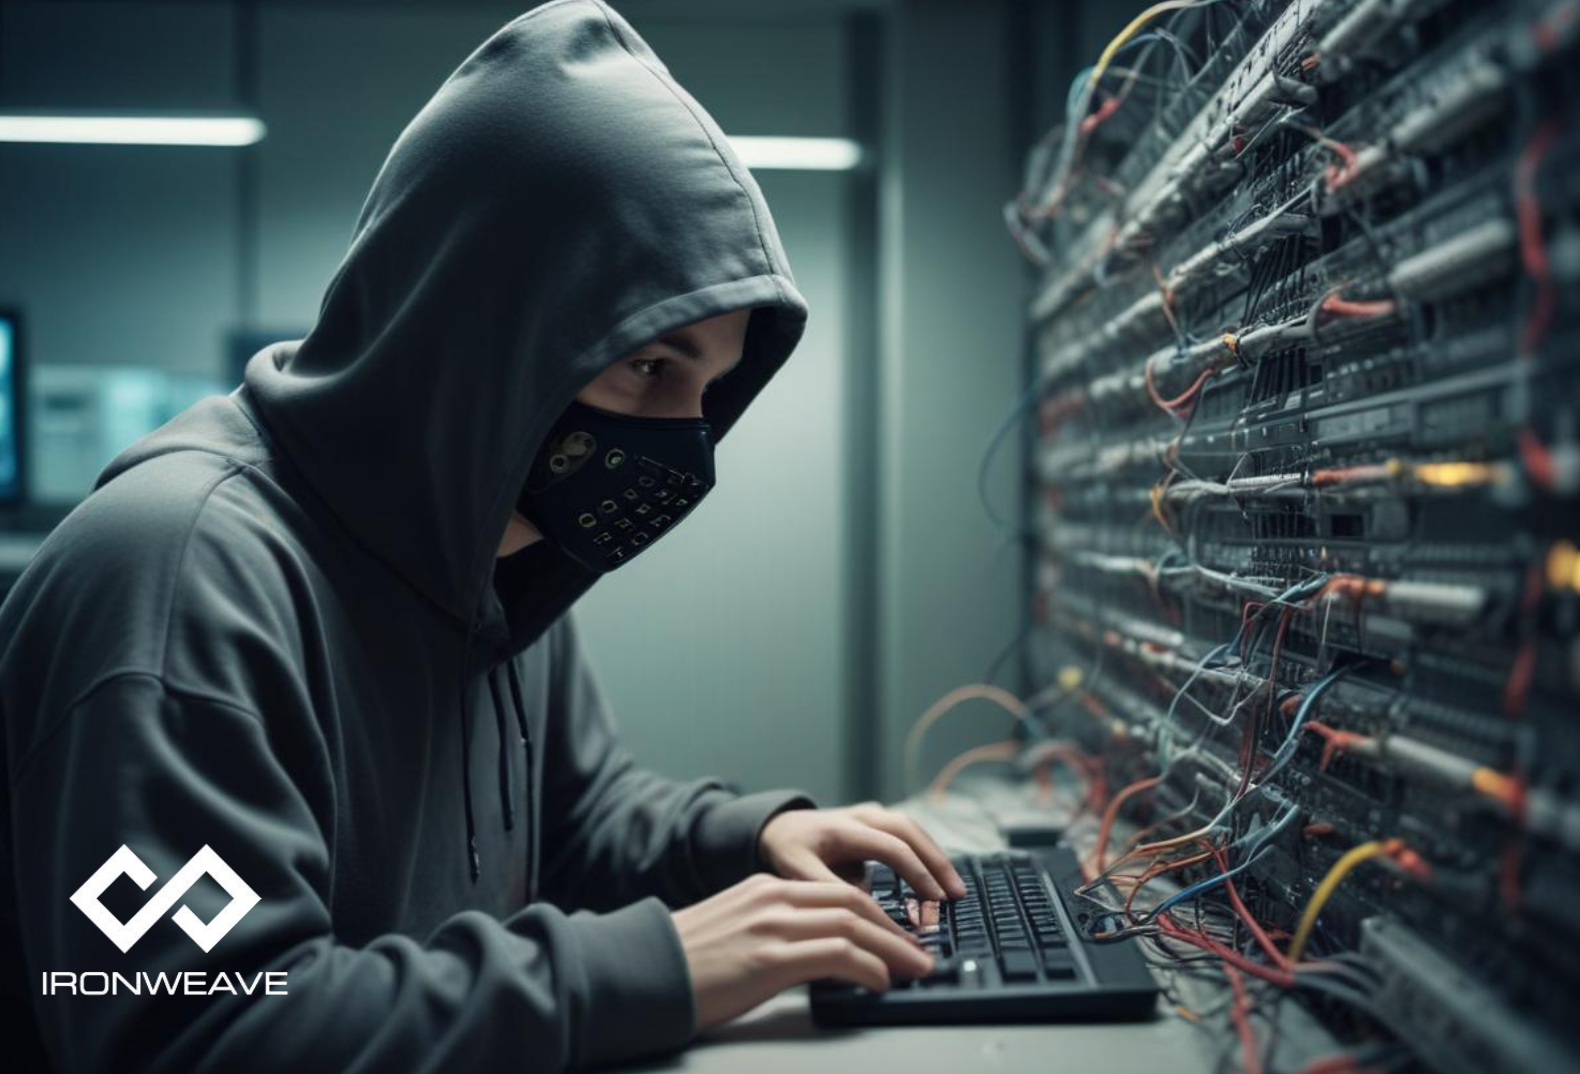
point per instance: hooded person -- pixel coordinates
(275, 661)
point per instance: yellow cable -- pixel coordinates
(1130, 31)
(1329, 885)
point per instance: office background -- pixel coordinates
(844, 574)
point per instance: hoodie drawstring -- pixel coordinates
(526, 742)
(505, 780)
(506, 771)
(466, 767)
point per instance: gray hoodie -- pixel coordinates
(277, 629)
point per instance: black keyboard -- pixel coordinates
(1010, 950)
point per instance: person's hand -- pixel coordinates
(766, 934)
(833, 844)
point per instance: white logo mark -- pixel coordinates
(125, 934)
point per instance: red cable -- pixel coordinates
(1172, 928)
(1520, 676)
(1518, 687)
(1533, 251)
(1537, 459)
(1105, 830)
(1240, 1014)
(1279, 958)
(1173, 406)
(1156, 870)
(1548, 32)
(1335, 175)
(1082, 764)
(1343, 1063)
(1106, 109)
(1334, 740)
(1343, 307)
(1509, 865)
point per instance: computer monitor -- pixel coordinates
(85, 414)
(13, 392)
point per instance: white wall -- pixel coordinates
(953, 292)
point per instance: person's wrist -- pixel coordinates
(729, 837)
(765, 860)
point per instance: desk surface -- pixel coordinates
(780, 1035)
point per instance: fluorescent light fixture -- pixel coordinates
(797, 154)
(131, 129)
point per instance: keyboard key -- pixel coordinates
(1018, 965)
(1058, 965)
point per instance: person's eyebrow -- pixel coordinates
(690, 350)
(684, 345)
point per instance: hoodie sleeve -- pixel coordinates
(614, 832)
(172, 771)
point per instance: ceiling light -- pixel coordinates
(798, 154)
(131, 129)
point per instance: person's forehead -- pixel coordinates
(688, 341)
(683, 341)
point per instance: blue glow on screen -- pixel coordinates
(8, 446)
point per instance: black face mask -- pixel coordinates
(605, 486)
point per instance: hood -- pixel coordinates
(560, 201)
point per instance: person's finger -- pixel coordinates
(811, 960)
(862, 839)
(804, 864)
(897, 953)
(903, 827)
(836, 893)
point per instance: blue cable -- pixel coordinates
(1253, 853)
(1201, 886)
(1287, 750)
(1215, 657)
(1079, 82)
(1010, 421)
(1280, 759)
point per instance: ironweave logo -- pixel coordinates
(125, 934)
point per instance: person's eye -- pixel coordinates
(648, 367)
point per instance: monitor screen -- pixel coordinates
(10, 410)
